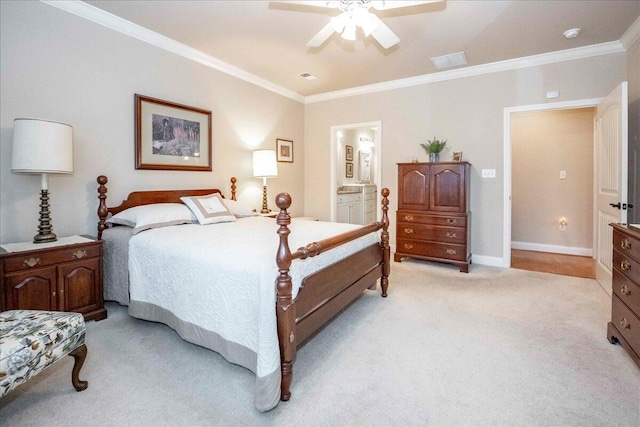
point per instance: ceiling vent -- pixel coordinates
(308, 76)
(448, 61)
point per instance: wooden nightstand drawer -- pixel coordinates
(45, 257)
(626, 322)
(627, 245)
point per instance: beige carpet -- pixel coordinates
(496, 346)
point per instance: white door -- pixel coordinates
(611, 132)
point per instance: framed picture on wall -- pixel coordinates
(364, 170)
(284, 150)
(348, 153)
(349, 170)
(171, 136)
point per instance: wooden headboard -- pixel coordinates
(139, 198)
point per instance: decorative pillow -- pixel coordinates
(209, 209)
(154, 216)
(237, 209)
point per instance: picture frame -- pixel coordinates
(170, 136)
(349, 170)
(348, 153)
(457, 156)
(364, 167)
(284, 150)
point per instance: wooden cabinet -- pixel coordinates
(433, 220)
(624, 327)
(59, 278)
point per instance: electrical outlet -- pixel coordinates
(563, 174)
(488, 173)
(562, 227)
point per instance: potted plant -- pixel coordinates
(433, 148)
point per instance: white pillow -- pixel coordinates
(154, 216)
(209, 209)
(237, 209)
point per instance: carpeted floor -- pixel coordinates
(501, 347)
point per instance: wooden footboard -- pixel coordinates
(326, 292)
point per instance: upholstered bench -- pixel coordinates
(32, 340)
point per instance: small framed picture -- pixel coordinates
(284, 150)
(349, 153)
(349, 170)
(457, 156)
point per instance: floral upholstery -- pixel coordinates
(31, 341)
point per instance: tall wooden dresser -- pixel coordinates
(625, 307)
(433, 220)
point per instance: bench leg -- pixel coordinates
(79, 354)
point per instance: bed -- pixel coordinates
(221, 289)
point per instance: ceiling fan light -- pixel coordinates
(349, 32)
(338, 22)
(368, 24)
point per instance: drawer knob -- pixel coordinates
(624, 323)
(624, 290)
(408, 246)
(31, 262)
(624, 265)
(452, 235)
(408, 217)
(79, 254)
(625, 244)
(451, 251)
(408, 230)
(451, 221)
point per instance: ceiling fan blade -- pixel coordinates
(383, 34)
(324, 3)
(322, 36)
(395, 4)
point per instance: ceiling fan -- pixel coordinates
(355, 13)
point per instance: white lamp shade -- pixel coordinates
(265, 164)
(41, 146)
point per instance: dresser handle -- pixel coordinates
(31, 262)
(624, 289)
(408, 217)
(79, 254)
(408, 246)
(53, 294)
(625, 323)
(452, 235)
(624, 244)
(408, 230)
(451, 221)
(451, 251)
(624, 265)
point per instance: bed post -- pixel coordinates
(233, 187)
(386, 267)
(102, 207)
(285, 308)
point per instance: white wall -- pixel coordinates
(57, 66)
(633, 76)
(469, 113)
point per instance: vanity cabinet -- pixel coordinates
(350, 208)
(433, 217)
(356, 204)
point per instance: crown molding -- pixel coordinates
(101, 17)
(493, 67)
(631, 35)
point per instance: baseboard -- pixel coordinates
(539, 247)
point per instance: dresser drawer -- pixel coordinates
(37, 259)
(626, 322)
(370, 196)
(450, 220)
(627, 245)
(432, 249)
(434, 233)
(627, 291)
(628, 266)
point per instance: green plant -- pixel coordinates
(434, 146)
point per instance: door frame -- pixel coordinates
(333, 182)
(564, 105)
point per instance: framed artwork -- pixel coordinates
(349, 170)
(170, 136)
(364, 163)
(457, 156)
(348, 153)
(284, 150)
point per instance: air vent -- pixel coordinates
(448, 61)
(308, 76)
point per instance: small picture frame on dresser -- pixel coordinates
(457, 156)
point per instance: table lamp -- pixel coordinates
(44, 147)
(265, 166)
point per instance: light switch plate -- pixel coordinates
(488, 173)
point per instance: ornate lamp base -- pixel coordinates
(265, 208)
(45, 230)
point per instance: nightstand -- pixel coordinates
(61, 276)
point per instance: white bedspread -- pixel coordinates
(220, 280)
